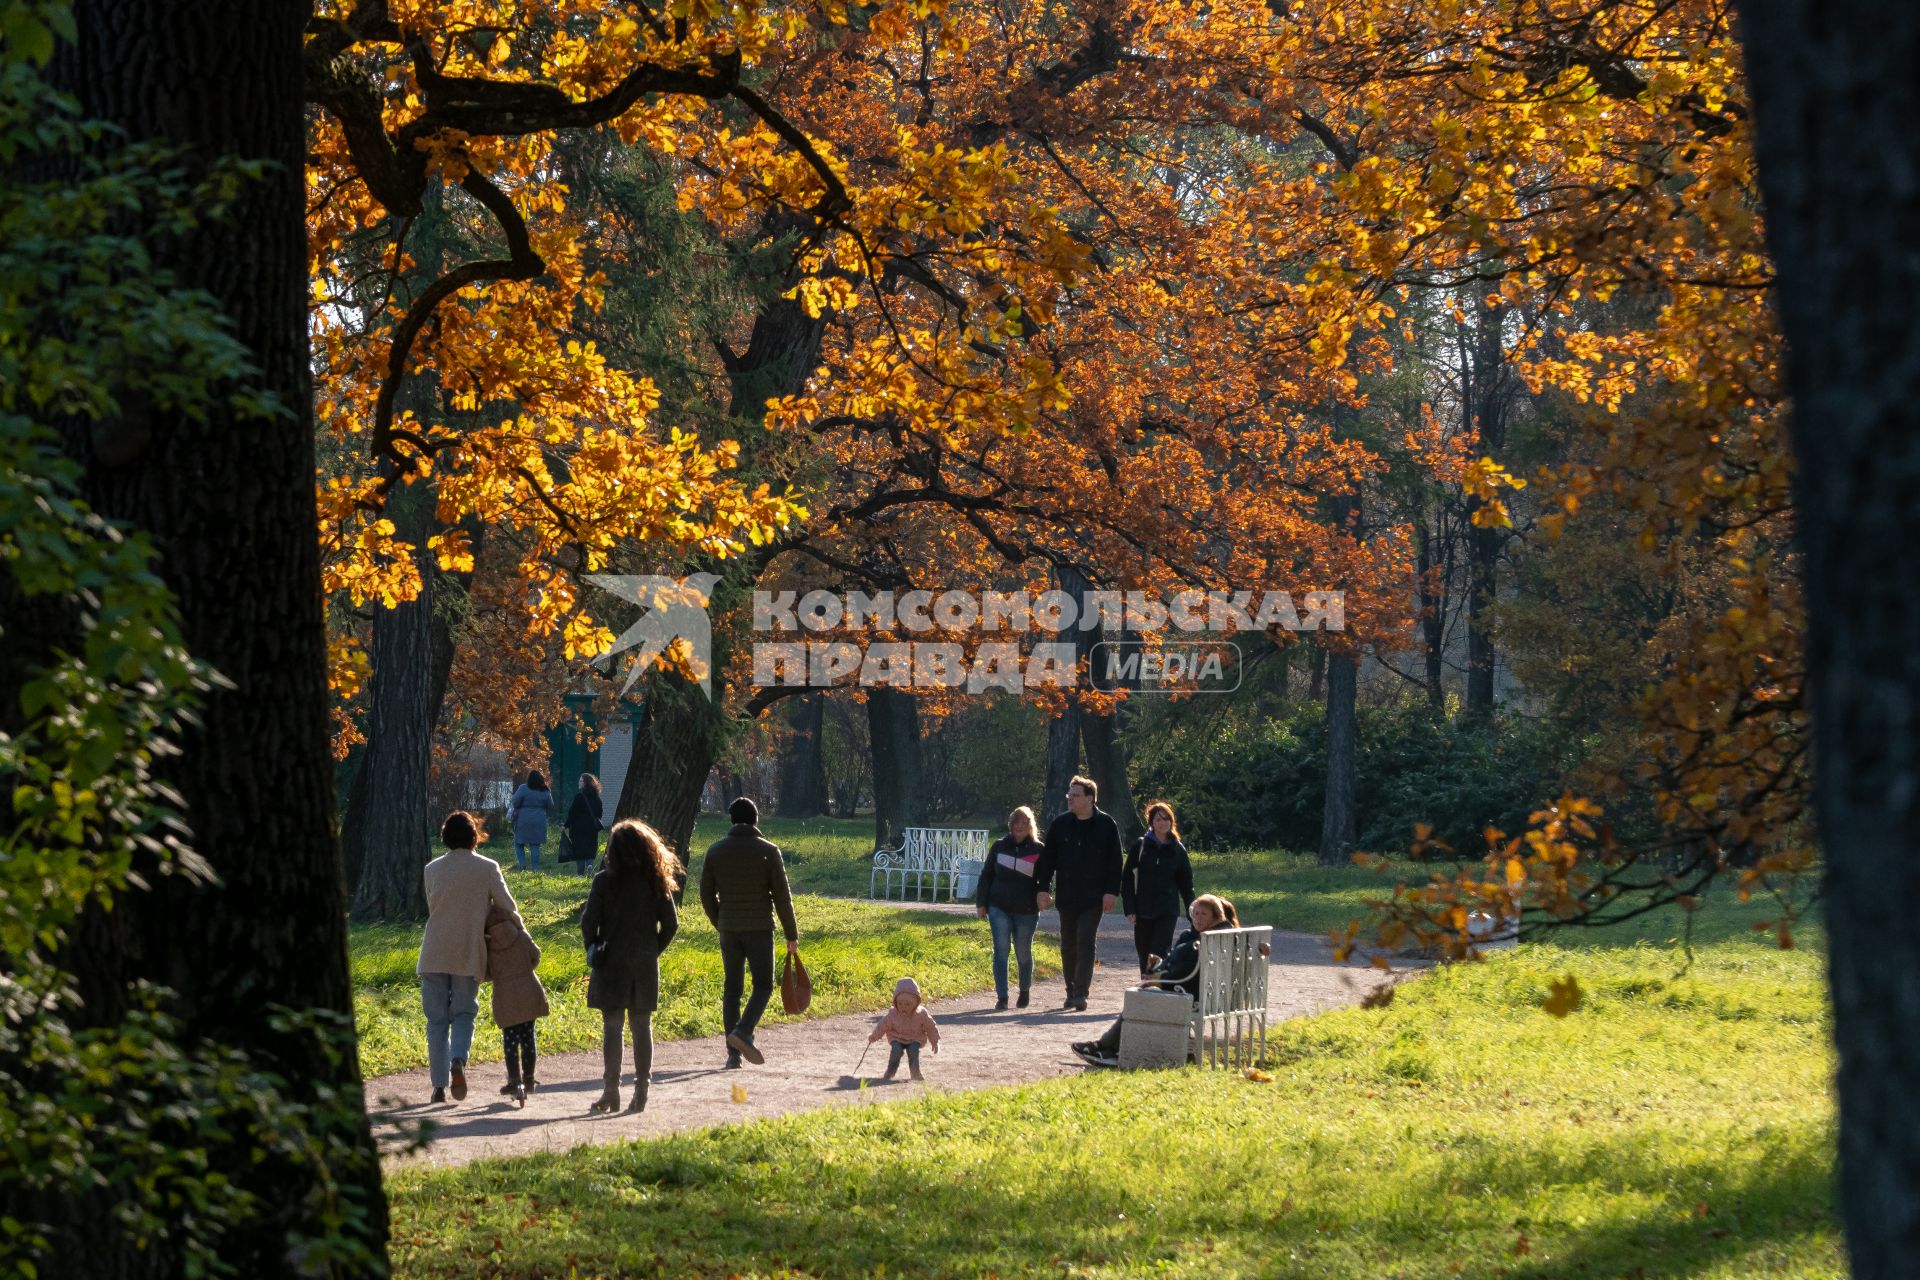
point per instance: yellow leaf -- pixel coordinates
(1563, 997)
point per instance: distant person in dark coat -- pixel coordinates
(584, 823)
(1156, 885)
(528, 811)
(1008, 898)
(743, 884)
(631, 918)
(1083, 854)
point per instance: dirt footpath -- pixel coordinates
(811, 1064)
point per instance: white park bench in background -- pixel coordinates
(1225, 1026)
(930, 864)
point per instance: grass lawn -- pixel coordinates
(1677, 1124)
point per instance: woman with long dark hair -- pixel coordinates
(584, 824)
(531, 806)
(1156, 884)
(628, 922)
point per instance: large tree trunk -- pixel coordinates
(1835, 96)
(683, 733)
(803, 773)
(1104, 736)
(679, 738)
(899, 790)
(1483, 560)
(1337, 821)
(1064, 730)
(1433, 620)
(229, 503)
(1490, 389)
(385, 837)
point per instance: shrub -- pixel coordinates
(1238, 781)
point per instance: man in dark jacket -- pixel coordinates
(1083, 850)
(743, 882)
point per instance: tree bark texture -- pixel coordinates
(803, 773)
(1839, 162)
(229, 503)
(386, 834)
(899, 791)
(1337, 822)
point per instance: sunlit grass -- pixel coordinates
(1677, 1124)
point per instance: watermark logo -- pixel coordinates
(676, 612)
(1175, 666)
(1020, 641)
(1013, 641)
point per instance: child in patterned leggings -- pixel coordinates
(518, 997)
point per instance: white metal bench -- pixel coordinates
(1225, 1026)
(930, 864)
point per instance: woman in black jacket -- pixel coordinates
(1008, 899)
(1156, 885)
(584, 823)
(630, 919)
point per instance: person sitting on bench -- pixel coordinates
(1178, 970)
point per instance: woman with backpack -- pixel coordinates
(1156, 884)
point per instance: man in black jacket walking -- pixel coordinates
(743, 883)
(1083, 849)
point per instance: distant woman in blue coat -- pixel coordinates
(529, 809)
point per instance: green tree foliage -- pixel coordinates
(1241, 780)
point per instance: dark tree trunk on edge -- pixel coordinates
(1337, 819)
(899, 793)
(1835, 97)
(803, 773)
(229, 503)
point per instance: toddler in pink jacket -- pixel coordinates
(906, 1027)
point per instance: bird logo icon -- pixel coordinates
(675, 610)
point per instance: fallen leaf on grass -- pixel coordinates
(1563, 997)
(1258, 1076)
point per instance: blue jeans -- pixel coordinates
(450, 1000)
(522, 852)
(1018, 930)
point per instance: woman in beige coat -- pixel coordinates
(628, 922)
(462, 886)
